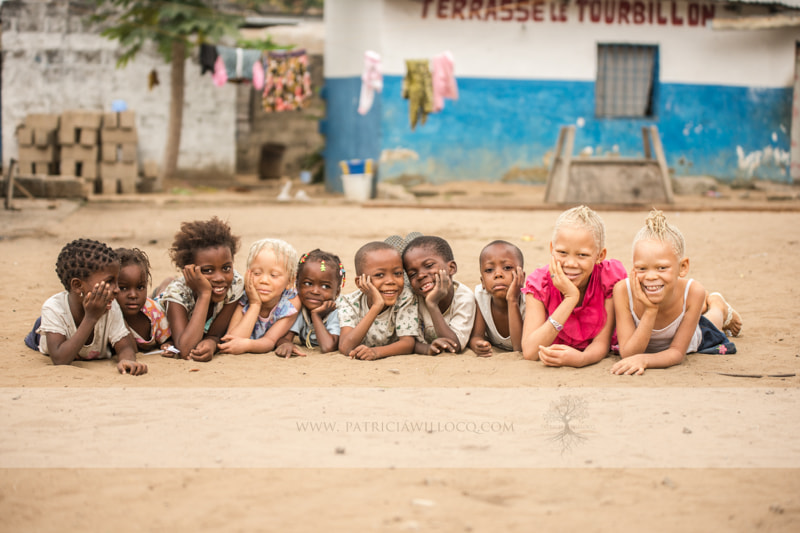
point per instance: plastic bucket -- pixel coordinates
(357, 187)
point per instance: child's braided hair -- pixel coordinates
(582, 217)
(657, 228)
(199, 235)
(326, 260)
(81, 258)
(134, 256)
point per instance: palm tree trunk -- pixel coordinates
(170, 166)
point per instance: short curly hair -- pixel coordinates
(200, 235)
(134, 256)
(81, 258)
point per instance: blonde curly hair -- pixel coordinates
(585, 218)
(657, 228)
(282, 250)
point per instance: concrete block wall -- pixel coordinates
(54, 61)
(298, 130)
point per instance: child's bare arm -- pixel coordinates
(402, 346)
(633, 339)
(242, 324)
(63, 350)
(443, 285)
(126, 357)
(326, 340)
(537, 330)
(477, 340)
(514, 314)
(562, 355)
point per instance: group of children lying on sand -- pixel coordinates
(572, 312)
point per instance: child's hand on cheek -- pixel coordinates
(250, 288)
(96, 301)
(561, 281)
(374, 296)
(324, 308)
(517, 279)
(195, 280)
(639, 294)
(442, 283)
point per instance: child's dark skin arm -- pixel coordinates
(477, 341)
(402, 346)
(285, 347)
(62, 350)
(350, 337)
(447, 339)
(126, 357)
(206, 348)
(188, 331)
(514, 314)
(327, 341)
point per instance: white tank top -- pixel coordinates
(660, 339)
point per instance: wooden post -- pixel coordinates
(662, 163)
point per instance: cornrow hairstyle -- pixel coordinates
(81, 258)
(514, 249)
(438, 245)
(134, 256)
(332, 261)
(282, 250)
(657, 228)
(199, 235)
(367, 249)
(582, 217)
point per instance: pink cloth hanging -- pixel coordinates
(258, 75)
(220, 76)
(444, 81)
(371, 81)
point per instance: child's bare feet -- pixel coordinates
(731, 319)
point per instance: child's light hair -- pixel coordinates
(282, 250)
(657, 228)
(585, 218)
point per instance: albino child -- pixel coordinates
(659, 311)
(569, 313)
(81, 322)
(501, 306)
(320, 277)
(446, 307)
(145, 319)
(268, 308)
(199, 304)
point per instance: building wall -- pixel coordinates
(723, 99)
(53, 61)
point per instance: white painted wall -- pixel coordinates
(86, 78)
(549, 50)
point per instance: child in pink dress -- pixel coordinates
(569, 316)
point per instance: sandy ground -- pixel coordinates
(453, 443)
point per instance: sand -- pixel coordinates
(452, 443)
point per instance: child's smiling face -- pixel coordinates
(576, 250)
(385, 270)
(315, 286)
(132, 289)
(216, 265)
(657, 269)
(421, 264)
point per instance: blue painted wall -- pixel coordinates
(498, 124)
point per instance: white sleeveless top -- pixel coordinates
(484, 301)
(660, 339)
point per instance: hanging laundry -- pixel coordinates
(220, 76)
(444, 81)
(371, 81)
(418, 89)
(258, 75)
(288, 83)
(238, 62)
(208, 57)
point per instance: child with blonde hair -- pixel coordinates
(659, 312)
(569, 313)
(268, 308)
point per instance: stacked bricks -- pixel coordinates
(78, 136)
(119, 142)
(38, 149)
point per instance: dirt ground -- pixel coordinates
(411, 443)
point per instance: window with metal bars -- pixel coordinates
(626, 79)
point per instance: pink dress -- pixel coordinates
(588, 319)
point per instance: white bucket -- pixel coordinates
(357, 187)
